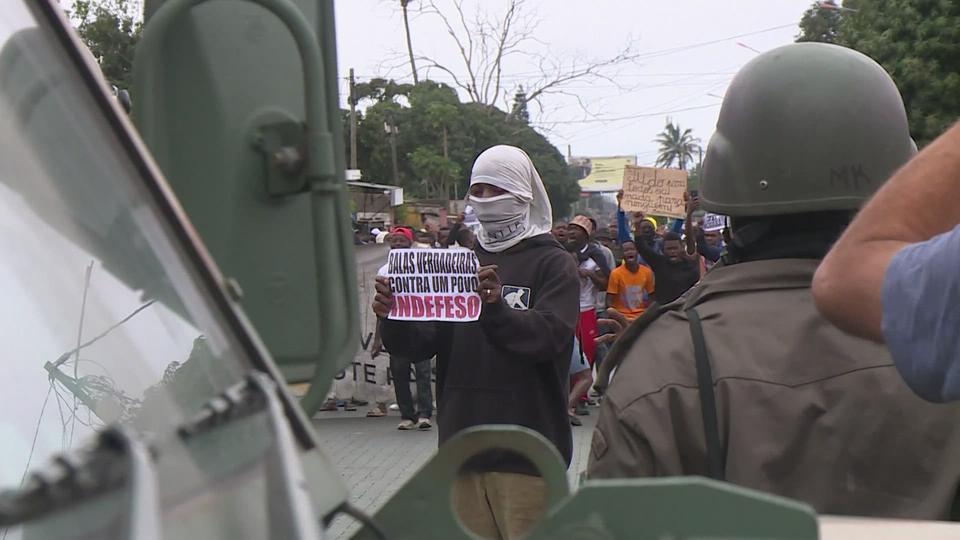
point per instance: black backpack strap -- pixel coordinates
(716, 458)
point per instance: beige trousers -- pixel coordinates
(499, 505)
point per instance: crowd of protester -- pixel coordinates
(725, 361)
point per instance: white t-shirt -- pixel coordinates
(588, 291)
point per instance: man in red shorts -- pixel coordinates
(594, 273)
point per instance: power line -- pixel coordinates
(660, 52)
(443, 77)
(33, 446)
(630, 117)
(585, 134)
(36, 432)
(66, 356)
(76, 362)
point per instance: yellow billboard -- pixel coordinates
(603, 174)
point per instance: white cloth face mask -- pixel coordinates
(503, 219)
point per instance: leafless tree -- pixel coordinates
(485, 43)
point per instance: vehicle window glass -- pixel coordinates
(87, 260)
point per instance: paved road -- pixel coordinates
(375, 459)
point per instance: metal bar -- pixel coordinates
(145, 518)
(290, 503)
(331, 217)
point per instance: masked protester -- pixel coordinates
(742, 379)
(512, 365)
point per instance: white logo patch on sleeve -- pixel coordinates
(516, 297)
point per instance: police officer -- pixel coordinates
(741, 379)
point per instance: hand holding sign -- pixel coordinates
(691, 203)
(383, 300)
(490, 288)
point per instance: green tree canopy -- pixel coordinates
(676, 145)
(916, 41)
(519, 109)
(422, 113)
(111, 30)
(821, 22)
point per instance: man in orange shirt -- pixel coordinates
(630, 285)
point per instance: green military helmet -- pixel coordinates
(803, 128)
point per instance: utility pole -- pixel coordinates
(353, 122)
(406, 25)
(446, 155)
(445, 149)
(391, 130)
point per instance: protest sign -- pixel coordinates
(657, 192)
(714, 222)
(434, 285)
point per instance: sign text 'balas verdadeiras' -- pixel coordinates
(434, 285)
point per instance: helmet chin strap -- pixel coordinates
(796, 236)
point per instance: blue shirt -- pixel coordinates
(921, 315)
(623, 235)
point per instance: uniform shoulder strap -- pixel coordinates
(716, 458)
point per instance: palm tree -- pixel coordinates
(676, 145)
(406, 26)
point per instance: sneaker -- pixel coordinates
(407, 425)
(574, 421)
(424, 424)
(377, 411)
(329, 405)
(394, 407)
(581, 409)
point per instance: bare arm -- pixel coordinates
(919, 202)
(691, 204)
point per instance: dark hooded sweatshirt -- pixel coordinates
(512, 365)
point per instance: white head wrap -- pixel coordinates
(510, 169)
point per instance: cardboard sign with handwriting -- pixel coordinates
(657, 192)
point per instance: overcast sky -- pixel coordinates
(696, 45)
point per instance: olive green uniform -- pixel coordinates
(764, 392)
(804, 410)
